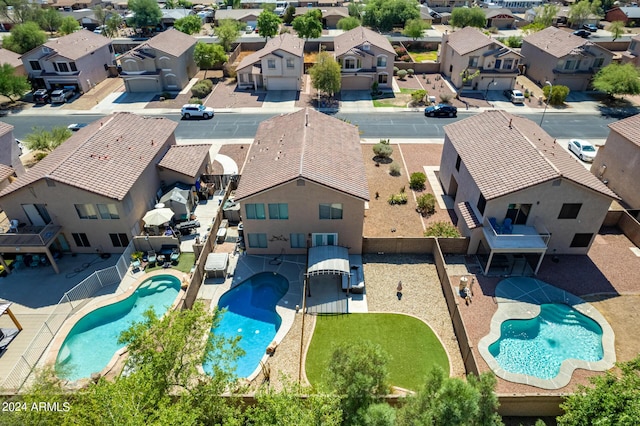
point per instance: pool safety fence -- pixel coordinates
(70, 303)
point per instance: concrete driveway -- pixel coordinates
(280, 100)
(355, 101)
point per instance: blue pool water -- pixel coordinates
(538, 346)
(251, 314)
(93, 340)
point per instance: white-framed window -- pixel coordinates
(382, 61)
(330, 211)
(257, 240)
(508, 64)
(255, 211)
(473, 62)
(298, 240)
(271, 64)
(383, 78)
(350, 63)
(324, 239)
(86, 211)
(290, 63)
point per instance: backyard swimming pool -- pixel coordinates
(251, 314)
(93, 340)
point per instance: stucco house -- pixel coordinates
(80, 60)
(629, 15)
(246, 16)
(617, 161)
(446, 5)
(632, 54)
(515, 6)
(365, 57)
(466, 51)
(503, 19)
(517, 193)
(297, 191)
(279, 65)
(89, 194)
(562, 58)
(13, 59)
(9, 150)
(330, 15)
(163, 63)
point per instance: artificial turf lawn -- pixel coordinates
(412, 345)
(185, 263)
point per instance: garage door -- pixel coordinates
(356, 83)
(142, 85)
(290, 83)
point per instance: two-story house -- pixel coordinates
(89, 194)
(632, 54)
(163, 63)
(617, 161)
(562, 58)
(474, 61)
(80, 60)
(365, 57)
(279, 65)
(298, 191)
(629, 15)
(517, 193)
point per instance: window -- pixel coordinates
(599, 61)
(55, 66)
(482, 203)
(73, 66)
(383, 79)
(290, 63)
(508, 64)
(258, 240)
(473, 62)
(81, 240)
(279, 211)
(350, 64)
(119, 240)
(458, 161)
(331, 211)
(271, 64)
(569, 210)
(62, 67)
(324, 239)
(35, 65)
(108, 211)
(569, 65)
(581, 240)
(86, 211)
(298, 240)
(498, 64)
(255, 211)
(382, 61)
(110, 48)
(518, 213)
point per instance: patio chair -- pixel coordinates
(507, 227)
(494, 224)
(135, 266)
(35, 261)
(19, 263)
(175, 255)
(151, 257)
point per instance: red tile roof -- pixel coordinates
(326, 151)
(107, 157)
(286, 42)
(76, 45)
(505, 153)
(185, 159)
(629, 128)
(357, 37)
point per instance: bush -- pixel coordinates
(400, 198)
(445, 98)
(558, 95)
(195, 101)
(417, 180)
(394, 169)
(382, 149)
(395, 70)
(374, 87)
(410, 71)
(40, 155)
(418, 96)
(426, 204)
(442, 229)
(514, 41)
(206, 82)
(166, 95)
(402, 74)
(200, 90)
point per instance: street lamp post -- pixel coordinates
(546, 103)
(486, 92)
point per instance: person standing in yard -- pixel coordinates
(399, 290)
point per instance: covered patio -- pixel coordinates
(30, 240)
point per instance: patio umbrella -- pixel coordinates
(157, 217)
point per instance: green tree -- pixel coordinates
(618, 79)
(612, 399)
(191, 24)
(24, 37)
(44, 140)
(112, 25)
(49, 20)
(11, 84)
(68, 25)
(444, 401)
(101, 14)
(580, 12)
(382, 149)
(468, 17)
(349, 23)
(381, 414)
(414, 28)
(289, 14)
(268, 24)
(355, 10)
(146, 13)
(557, 95)
(357, 372)
(16, 11)
(308, 25)
(170, 4)
(545, 14)
(616, 29)
(227, 31)
(384, 15)
(207, 55)
(325, 74)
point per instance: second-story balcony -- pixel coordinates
(506, 238)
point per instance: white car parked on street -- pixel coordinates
(583, 149)
(195, 110)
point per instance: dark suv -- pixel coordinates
(41, 96)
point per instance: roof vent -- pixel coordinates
(306, 119)
(510, 120)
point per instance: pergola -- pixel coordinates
(328, 260)
(8, 334)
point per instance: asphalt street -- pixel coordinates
(405, 125)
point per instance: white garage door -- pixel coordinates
(290, 83)
(356, 83)
(142, 85)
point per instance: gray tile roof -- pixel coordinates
(631, 12)
(285, 42)
(76, 45)
(236, 14)
(326, 151)
(468, 39)
(171, 41)
(185, 159)
(505, 153)
(9, 57)
(107, 157)
(556, 42)
(629, 128)
(357, 37)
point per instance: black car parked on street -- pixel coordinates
(441, 110)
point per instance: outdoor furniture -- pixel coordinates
(494, 224)
(151, 256)
(35, 261)
(135, 266)
(188, 226)
(175, 255)
(221, 235)
(161, 258)
(507, 226)
(216, 265)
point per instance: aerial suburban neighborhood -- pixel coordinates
(261, 212)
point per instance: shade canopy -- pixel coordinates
(328, 260)
(157, 217)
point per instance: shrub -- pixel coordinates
(417, 180)
(394, 169)
(200, 90)
(405, 58)
(410, 71)
(374, 87)
(40, 155)
(166, 95)
(558, 95)
(382, 149)
(426, 204)
(206, 82)
(418, 96)
(395, 70)
(514, 41)
(442, 229)
(402, 74)
(395, 199)
(195, 101)
(445, 98)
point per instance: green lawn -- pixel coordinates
(413, 346)
(431, 55)
(185, 262)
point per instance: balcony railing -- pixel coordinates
(30, 236)
(522, 237)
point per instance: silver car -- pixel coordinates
(195, 110)
(583, 149)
